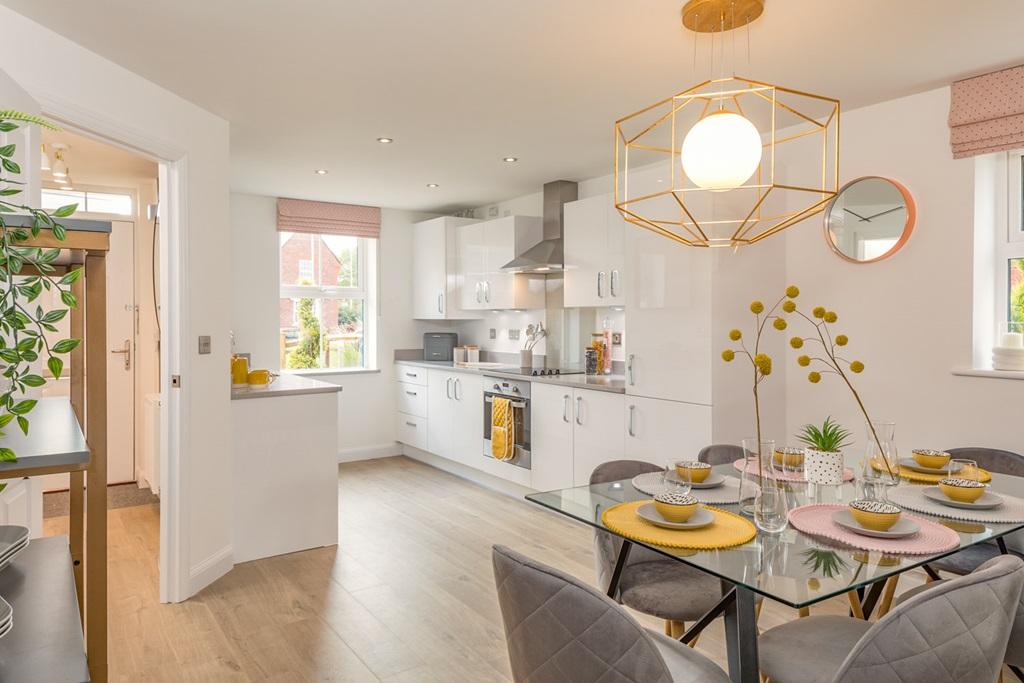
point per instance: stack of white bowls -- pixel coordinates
(1008, 358)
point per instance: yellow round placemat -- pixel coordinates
(726, 531)
(926, 478)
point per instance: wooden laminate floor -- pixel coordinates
(407, 595)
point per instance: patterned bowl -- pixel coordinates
(789, 456)
(961, 490)
(675, 507)
(926, 457)
(698, 471)
(876, 515)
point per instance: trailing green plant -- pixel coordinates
(828, 562)
(830, 437)
(25, 272)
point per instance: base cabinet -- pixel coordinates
(455, 415)
(658, 431)
(21, 503)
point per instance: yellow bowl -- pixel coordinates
(675, 507)
(789, 457)
(962, 490)
(933, 459)
(698, 471)
(874, 515)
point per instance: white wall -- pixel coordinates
(367, 403)
(94, 92)
(909, 318)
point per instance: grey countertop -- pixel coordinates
(288, 384)
(613, 383)
(54, 438)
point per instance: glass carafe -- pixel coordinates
(749, 479)
(881, 466)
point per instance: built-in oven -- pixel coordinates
(518, 394)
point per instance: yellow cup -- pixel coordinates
(239, 370)
(259, 378)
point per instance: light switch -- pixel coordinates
(204, 344)
(494, 333)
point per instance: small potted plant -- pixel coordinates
(823, 455)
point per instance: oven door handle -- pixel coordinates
(514, 404)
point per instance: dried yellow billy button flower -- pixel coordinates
(735, 335)
(842, 340)
(779, 324)
(804, 361)
(856, 366)
(814, 377)
(831, 317)
(797, 342)
(818, 312)
(756, 307)
(789, 306)
(728, 355)
(792, 291)
(763, 363)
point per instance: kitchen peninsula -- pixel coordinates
(285, 449)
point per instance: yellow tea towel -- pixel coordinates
(502, 447)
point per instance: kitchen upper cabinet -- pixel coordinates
(551, 423)
(483, 249)
(594, 253)
(668, 317)
(657, 431)
(437, 278)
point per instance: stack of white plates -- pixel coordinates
(13, 539)
(1007, 358)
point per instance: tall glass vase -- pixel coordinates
(881, 468)
(750, 482)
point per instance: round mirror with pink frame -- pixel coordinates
(870, 219)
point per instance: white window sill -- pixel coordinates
(991, 374)
(331, 371)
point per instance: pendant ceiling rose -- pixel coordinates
(712, 16)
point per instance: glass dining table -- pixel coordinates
(789, 567)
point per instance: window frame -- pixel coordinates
(1010, 239)
(368, 255)
(100, 189)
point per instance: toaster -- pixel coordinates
(440, 345)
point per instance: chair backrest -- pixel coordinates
(559, 629)
(992, 459)
(606, 545)
(953, 633)
(720, 454)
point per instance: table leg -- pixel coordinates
(741, 638)
(620, 564)
(1001, 542)
(869, 602)
(712, 614)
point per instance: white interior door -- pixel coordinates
(121, 359)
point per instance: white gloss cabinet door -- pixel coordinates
(472, 251)
(440, 407)
(429, 269)
(467, 425)
(668, 316)
(658, 430)
(615, 261)
(586, 277)
(598, 434)
(551, 436)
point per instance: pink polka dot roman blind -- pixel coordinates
(301, 215)
(986, 113)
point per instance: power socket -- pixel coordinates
(513, 334)
(494, 333)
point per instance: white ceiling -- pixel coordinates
(96, 163)
(460, 84)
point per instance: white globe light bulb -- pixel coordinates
(721, 151)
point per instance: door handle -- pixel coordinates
(613, 278)
(440, 303)
(127, 351)
(565, 408)
(600, 284)
(458, 384)
(632, 421)
(448, 387)
(629, 370)
(579, 410)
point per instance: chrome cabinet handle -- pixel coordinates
(448, 387)
(629, 370)
(565, 408)
(614, 278)
(478, 287)
(458, 385)
(440, 303)
(487, 291)
(632, 421)
(127, 351)
(411, 424)
(411, 374)
(600, 284)
(579, 410)
(411, 393)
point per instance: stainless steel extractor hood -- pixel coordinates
(546, 256)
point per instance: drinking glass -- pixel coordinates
(754, 455)
(771, 509)
(963, 469)
(673, 481)
(684, 481)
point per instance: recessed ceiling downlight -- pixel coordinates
(321, 171)
(432, 185)
(385, 141)
(510, 160)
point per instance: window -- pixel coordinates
(116, 203)
(1010, 250)
(327, 301)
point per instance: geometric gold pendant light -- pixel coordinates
(731, 160)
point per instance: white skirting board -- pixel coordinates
(384, 450)
(474, 475)
(210, 569)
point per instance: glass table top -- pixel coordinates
(790, 567)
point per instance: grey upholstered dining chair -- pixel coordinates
(955, 632)
(558, 629)
(720, 454)
(651, 583)
(993, 460)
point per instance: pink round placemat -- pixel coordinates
(789, 476)
(816, 520)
